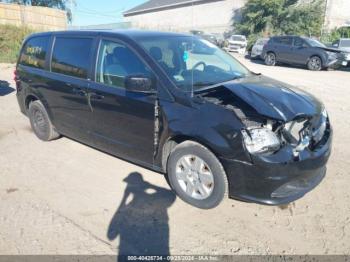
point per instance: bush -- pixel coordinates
(336, 34)
(11, 38)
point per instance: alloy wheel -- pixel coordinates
(194, 177)
(315, 64)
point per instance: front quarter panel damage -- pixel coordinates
(209, 124)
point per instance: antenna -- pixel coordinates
(192, 92)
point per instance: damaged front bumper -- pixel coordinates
(279, 178)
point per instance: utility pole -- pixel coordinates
(71, 5)
(324, 17)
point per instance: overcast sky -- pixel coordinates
(95, 12)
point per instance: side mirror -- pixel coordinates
(139, 83)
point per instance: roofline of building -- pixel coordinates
(167, 7)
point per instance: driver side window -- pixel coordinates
(115, 62)
(299, 42)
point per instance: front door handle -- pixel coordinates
(96, 96)
(79, 91)
(93, 96)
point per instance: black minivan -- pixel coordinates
(178, 105)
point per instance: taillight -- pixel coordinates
(15, 76)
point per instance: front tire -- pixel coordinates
(196, 175)
(40, 122)
(314, 63)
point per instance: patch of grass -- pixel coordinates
(11, 38)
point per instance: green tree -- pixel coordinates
(59, 4)
(336, 34)
(266, 17)
(304, 19)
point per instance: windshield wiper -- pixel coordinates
(213, 85)
(200, 84)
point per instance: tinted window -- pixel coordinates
(115, 62)
(71, 56)
(298, 42)
(34, 52)
(284, 40)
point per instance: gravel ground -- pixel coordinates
(63, 197)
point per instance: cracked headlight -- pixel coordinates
(347, 57)
(331, 55)
(260, 140)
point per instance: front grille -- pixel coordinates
(313, 129)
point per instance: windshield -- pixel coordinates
(193, 63)
(314, 43)
(237, 38)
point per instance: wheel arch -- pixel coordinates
(34, 97)
(29, 98)
(173, 141)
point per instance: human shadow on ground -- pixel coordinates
(5, 88)
(141, 220)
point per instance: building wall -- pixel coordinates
(41, 18)
(337, 14)
(215, 17)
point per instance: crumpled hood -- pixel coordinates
(275, 99)
(331, 49)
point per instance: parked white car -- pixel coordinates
(237, 43)
(258, 48)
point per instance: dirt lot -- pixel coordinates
(63, 197)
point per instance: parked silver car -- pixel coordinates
(343, 44)
(258, 48)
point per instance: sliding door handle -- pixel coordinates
(79, 91)
(96, 96)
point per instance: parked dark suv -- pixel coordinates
(178, 105)
(300, 51)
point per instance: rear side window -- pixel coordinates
(71, 56)
(284, 40)
(34, 52)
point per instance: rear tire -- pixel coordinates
(40, 122)
(196, 175)
(314, 63)
(270, 59)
